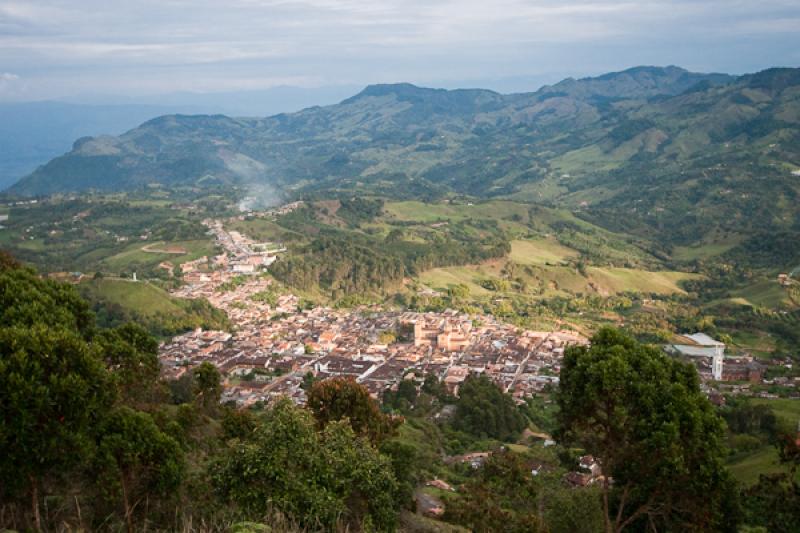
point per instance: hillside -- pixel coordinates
(651, 151)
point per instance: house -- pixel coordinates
(440, 484)
(589, 464)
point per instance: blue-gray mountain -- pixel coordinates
(648, 149)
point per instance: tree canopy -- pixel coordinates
(322, 478)
(643, 417)
(483, 410)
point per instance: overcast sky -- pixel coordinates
(58, 48)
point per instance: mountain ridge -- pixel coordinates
(715, 138)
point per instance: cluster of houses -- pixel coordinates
(276, 344)
(242, 254)
(276, 351)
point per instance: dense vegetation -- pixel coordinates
(91, 438)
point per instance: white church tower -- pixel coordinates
(716, 361)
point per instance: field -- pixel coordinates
(260, 229)
(767, 293)
(558, 280)
(763, 461)
(786, 409)
(540, 252)
(413, 211)
(141, 297)
(616, 280)
(149, 255)
(442, 278)
(702, 251)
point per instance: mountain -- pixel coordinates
(646, 149)
(32, 133)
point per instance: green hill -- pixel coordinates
(660, 153)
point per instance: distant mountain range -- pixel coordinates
(659, 148)
(32, 133)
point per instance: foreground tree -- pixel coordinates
(643, 417)
(337, 399)
(135, 459)
(53, 386)
(500, 496)
(208, 383)
(323, 479)
(131, 354)
(483, 410)
(53, 390)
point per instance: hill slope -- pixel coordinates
(647, 150)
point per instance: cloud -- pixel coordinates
(162, 45)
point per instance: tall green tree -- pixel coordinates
(53, 385)
(208, 383)
(323, 479)
(131, 354)
(338, 398)
(53, 391)
(483, 410)
(135, 460)
(643, 416)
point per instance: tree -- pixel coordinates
(135, 459)
(53, 389)
(774, 502)
(208, 383)
(643, 417)
(53, 386)
(131, 354)
(483, 410)
(503, 492)
(340, 398)
(320, 478)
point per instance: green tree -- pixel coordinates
(53, 389)
(643, 417)
(339, 398)
(131, 354)
(500, 496)
(320, 478)
(208, 384)
(53, 386)
(483, 410)
(135, 460)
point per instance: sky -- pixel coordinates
(52, 49)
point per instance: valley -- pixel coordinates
(410, 279)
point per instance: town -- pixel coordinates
(279, 340)
(277, 343)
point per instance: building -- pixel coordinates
(707, 353)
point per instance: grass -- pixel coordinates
(560, 280)
(539, 252)
(765, 460)
(137, 254)
(616, 280)
(701, 251)
(261, 229)
(766, 293)
(141, 297)
(443, 278)
(786, 409)
(590, 157)
(413, 211)
(749, 468)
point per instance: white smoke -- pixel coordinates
(260, 196)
